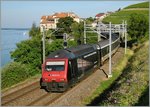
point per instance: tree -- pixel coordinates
(50, 34)
(65, 24)
(30, 52)
(91, 38)
(137, 26)
(34, 31)
(89, 20)
(77, 30)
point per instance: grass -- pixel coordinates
(124, 14)
(105, 84)
(131, 88)
(118, 17)
(139, 5)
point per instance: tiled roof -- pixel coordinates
(60, 15)
(43, 17)
(100, 14)
(49, 17)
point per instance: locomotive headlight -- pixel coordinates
(46, 79)
(62, 79)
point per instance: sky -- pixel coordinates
(21, 14)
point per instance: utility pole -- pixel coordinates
(84, 32)
(123, 28)
(125, 31)
(65, 40)
(99, 33)
(43, 38)
(110, 72)
(119, 30)
(43, 41)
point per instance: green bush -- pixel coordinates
(14, 73)
(137, 26)
(77, 30)
(55, 45)
(91, 38)
(72, 43)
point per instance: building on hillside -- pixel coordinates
(82, 19)
(50, 22)
(100, 16)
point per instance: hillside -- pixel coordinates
(132, 86)
(125, 13)
(139, 5)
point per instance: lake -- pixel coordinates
(9, 38)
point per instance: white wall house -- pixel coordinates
(50, 22)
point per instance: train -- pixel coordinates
(65, 67)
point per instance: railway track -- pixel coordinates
(46, 99)
(19, 93)
(30, 95)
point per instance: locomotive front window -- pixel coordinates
(55, 66)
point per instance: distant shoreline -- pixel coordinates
(15, 28)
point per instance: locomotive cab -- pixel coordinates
(54, 74)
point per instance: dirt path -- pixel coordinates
(29, 93)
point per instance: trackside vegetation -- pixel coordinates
(14, 73)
